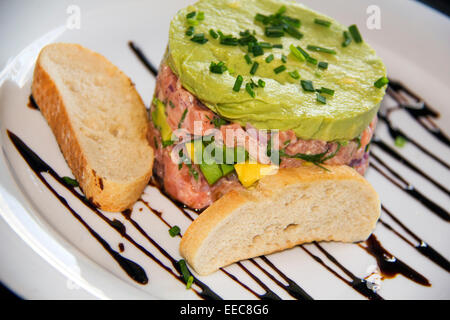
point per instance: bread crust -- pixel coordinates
(105, 194)
(204, 227)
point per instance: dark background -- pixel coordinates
(440, 5)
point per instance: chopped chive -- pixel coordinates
(323, 65)
(257, 50)
(327, 91)
(184, 270)
(311, 60)
(218, 68)
(307, 85)
(189, 282)
(190, 15)
(380, 83)
(71, 182)
(248, 88)
(254, 68)
(297, 53)
(171, 104)
(320, 49)
(400, 141)
(283, 58)
(265, 45)
(279, 69)
(294, 74)
(213, 34)
(323, 23)
(183, 116)
(355, 33)
(174, 231)
(201, 16)
(248, 59)
(190, 31)
(281, 10)
(278, 46)
(347, 39)
(270, 58)
(274, 32)
(192, 22)
(199, 38)
(321, 98)
(261, 83)
(293, 32)
(238, 83)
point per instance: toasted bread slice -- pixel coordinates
(99, 121)
(292, 207)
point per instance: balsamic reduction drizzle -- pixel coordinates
(390, 265)
(32, 103)
(141, 56)
(135, 271)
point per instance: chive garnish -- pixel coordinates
(327, 91)
(307, 85)
(355, 33)
(218, 68)
(190, 31)
(400, 141)
(320, 49)
(274, 32)
(308, 58)
(265, 45)
(347, 39)
(279, 69)
(201, 16)
(248, 59)
(190, 15)
(184, 270)
(323, 65)
(380, 83)
(294, 74)
(189, 282)
(249, 89)
(261, 83)
(199, 38)
(174, 231)
(278, 46)
(270, 58)
(192, 22)
(183, 116)
(257, 50)
(290, 30)
(71, 182)
(281, 10)
(323, 23)
(213, 34)
(238, 83)
(283, 58)
(321, 98)
(297, 53)
(254, 68)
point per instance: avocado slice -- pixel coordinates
(160, 121)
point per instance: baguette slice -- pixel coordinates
(99, 121)
(294, 206)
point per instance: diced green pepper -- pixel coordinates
(211, 172)
(226, 169)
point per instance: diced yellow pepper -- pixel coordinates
(249, 173)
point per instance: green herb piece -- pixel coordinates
(321, 98)
(190, 15)
(265, 45)
(270, 58)
(249, 89)
(294, 74)
(355, 33)
(218, 122)
(184, 270)
(71, 182)
(380, 83)
(256, 49)
(400, 141)
(192, 22)
(201, 16)
(290, 30)
(189, 282)
(308, 58)
(199, 38)
(297, 53)
(278, 46)
(171, 104)
(279, 69)
(228, 40)
(213, 34)
(327, 91)
(307, 85)
(281, 10)
(261, 83)
(347, 39)
(226, 169)
(238, 83)
(323, 23)
(254, 68)
(174, 231)
(323, 65)
(248, 59)
(183, 116)
(190, 31)
(320, 49)
(218, 68)
(283, 58)
(274, 32)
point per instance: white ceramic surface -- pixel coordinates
(61, 260)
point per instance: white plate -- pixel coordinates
(412, 43)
